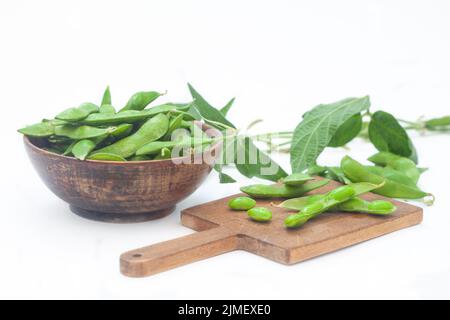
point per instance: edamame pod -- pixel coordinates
(106, 109)
(82, 148)
(156, 146)
(104, 156)
(79, 113)
(296, 179)
(174, 124)
(122, 130)
(391, 174)
(140, 100)
(151, 130)
(281, 191)
(299, 203)
(404, 166)
(39, 130)
(130, 116)
(381, 207)
(357, 173)
(165, 153)
(81, 132)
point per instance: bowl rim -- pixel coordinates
(202, 125)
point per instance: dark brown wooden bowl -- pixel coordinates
(118, 191)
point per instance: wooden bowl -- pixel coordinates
(119, 191)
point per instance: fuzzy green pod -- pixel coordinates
(79, 113)
(140, 100)
(281, 191)
(296, 179)
(151, 130)
(341, 194)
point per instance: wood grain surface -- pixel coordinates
(222, 230)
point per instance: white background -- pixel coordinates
(279, 58)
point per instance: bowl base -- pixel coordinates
(121, 217)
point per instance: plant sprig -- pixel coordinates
(326, 125)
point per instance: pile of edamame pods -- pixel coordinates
(133, 133)
(391, 176)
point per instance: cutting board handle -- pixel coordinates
(177, 252)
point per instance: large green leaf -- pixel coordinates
(208, 112)
(347, 131)
(252, 162)
(387, 134)
(318, 127)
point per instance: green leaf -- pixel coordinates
(106, 100)
(318, 127)
(347, 131)
(227, 107)
(387, 134)
(252, 162)
(207, 111)
(223, 177)
(438, 123)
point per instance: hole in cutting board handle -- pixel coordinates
(137, 255)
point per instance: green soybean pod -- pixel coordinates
(381, 207)
(79, 113)
(130, 116)
(298, 204)
(155, 147)
(342, 193)
(82, 148)
(296, 220)
(296, 179)
(403, 165)
(140, 100)
(392, 174)
(281, 191)
(314, 208)
(106, 99)
(81, 132)
(357, 173)
(151, 130)
(104, 156)
(106, 109)
(122, 130)
(165, 153)
(174, 124)
(69, 148)
(382, 158)
(241, 203)
(406, 167)
(260, 214)
(39, 130)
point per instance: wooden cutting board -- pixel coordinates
(222, 230)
